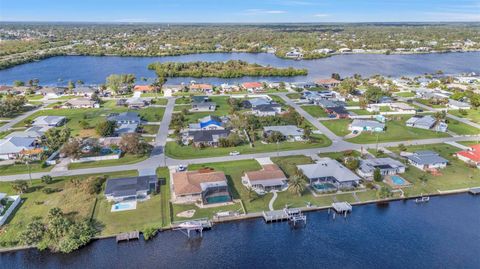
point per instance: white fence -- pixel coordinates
(12, 207)
(96, 158)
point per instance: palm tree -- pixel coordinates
(296, 185)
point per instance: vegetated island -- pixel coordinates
(229, 69)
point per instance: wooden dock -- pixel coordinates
(293, 215)
(474, 191)
(128, 236)
(340, 208)
(197, 225)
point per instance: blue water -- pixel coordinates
(398, 180)
(444, 233)
(323, 186)
(123, 206)
(218, 199)
(94, 70)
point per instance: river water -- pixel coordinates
(94, 70)
(445, 233)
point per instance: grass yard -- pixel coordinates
(294, 95)
(339, 155)
(462, 128)
(12, 169)
(71, 197)
(315, 111)
(456, 175)
(427, 103)
(151, 129)
(203, 212)
(176, 151)
(126, 159)
(289, 163)
(278, 100)
(405, 94)
(234, 171)
(395, 131)
(360, 112)
(471, 114)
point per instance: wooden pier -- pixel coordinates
(128, 236)
(474, 191)
(340, 208)
(193, 226)
(293, 215)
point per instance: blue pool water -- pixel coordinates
(123, 206)
(323, 186)
(398, 180)
(218, 199)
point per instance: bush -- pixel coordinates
(47, 179)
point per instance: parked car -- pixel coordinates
(181, 168)
(234, 153)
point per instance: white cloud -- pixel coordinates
(321, 15)
(263, 11)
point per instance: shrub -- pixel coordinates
(149, 233)
(47, 179)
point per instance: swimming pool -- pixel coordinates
(218, 199)
(398, 180)
(122, 206)
(324, 186)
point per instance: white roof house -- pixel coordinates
(329, 170)
(12, 146)
(453, 104)
(34, 132)
(289, 131)
(387, 166)
(49, 121)
(426, 122)
(366, 125)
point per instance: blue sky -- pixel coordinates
(240, 11)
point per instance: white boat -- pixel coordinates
(190, 225)
(423, 199)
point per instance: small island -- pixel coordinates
(229, 69)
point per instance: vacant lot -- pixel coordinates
(315, 111)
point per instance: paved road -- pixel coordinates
(18, 119)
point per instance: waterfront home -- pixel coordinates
(289, 132)
(254, 102)
(128, 117)
(207, 137)
(426, 122)
(327, 82)
(8, 204)
(366, 125)
(52, 121)
(136, 102)
(202, 103)
(204, 186)
(81, 103)
(209, 123)
(203, 88)
(84, 91)
(387, 166)
(169, 90)
(270, 178)
(327, 170)
(14, 147)
(229, 88)
(300, 85)
(52, 92)
(453, 104)
(130, 188)
(267, 110)
(252, 87)
(144, 88)
(471, 155)
(427, 160)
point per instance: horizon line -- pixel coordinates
(160, 22)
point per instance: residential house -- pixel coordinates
(169, 90)
(229, 88)
(471, 155)
(327, 83)
(203, 88)
(402, 107)
(130, 188)
(52, 121)
(81, 103)
(338, 112)
(53, 92)
(426, 122)
(144, 88)
(202, 103)
(427, 160)
(207, 137)
(128, 117)
(387, 166)
(325, 103)
(453, 104)
(33, 132)
(294, 54)
(289, 132)
(84, 91)
(14, 147)
(253, 87)
(327, 170)
(254, 102)
(366, 125)
(137, 102)
(270, 178)
(271, 109)
(205, 186)
(209, 123)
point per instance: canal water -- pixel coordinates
(444, 233)
(94, 70)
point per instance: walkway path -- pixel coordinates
(270, 204)
(457, 145)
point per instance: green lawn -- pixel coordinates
(289, 163)
(352, 103)
(315, 111)
(234, 171)
(151, 129)
(176, 151)
(183, 100)
(12, 169)
(294, 95)
(71, 197)
(395, 131)
(462, 128)
(203, 212)
(126, 159)
(405, 94)
(361, 111)
(427, 103)
(457, 175)
(471, 114)
(278, 100)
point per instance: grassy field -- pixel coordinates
(315, 111)
(405, 94)
(395, 131)
(361, 112)
(12, 169)
(289, 163)
(456, 175)
(71, 197)
(471, 114)
(294, 95)
(174, 150)
(427, 103)
(462, 128)
(126, 159)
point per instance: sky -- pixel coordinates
(240, 11)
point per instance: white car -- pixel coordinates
(181, 168)
(234, 153)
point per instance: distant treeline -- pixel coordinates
(229, 69)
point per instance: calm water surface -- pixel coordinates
(444, 233)
(94, 70)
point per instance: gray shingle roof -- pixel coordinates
(426, 157)
(119, 187)
(327, 167)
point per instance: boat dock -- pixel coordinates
(193, 225)
(474, 191)
(340, 208)
(128, 236)
(293, 215)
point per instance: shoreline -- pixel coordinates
(257, 215)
